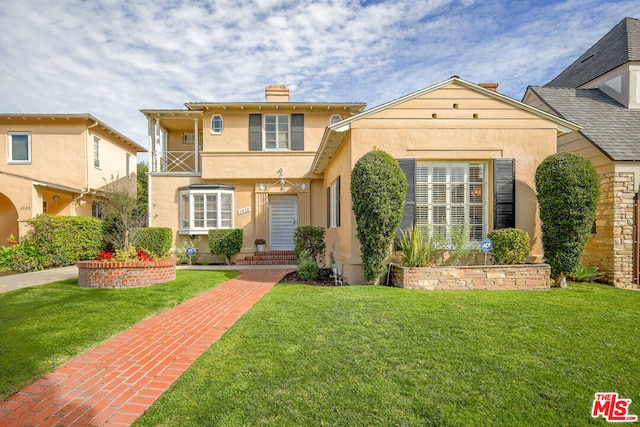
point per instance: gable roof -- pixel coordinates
(607, 124)
(619, 46)
(335, 133)
(89, 120)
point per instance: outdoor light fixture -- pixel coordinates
(282, 182)
(56, 198)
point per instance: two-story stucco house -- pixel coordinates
(600, 91)
(469, 153)
(57, 164)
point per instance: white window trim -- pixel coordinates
(190, 193)
(467, 203)
(10, 148)
(97, 148)
(213, 131)
(264, 132)
(333, 197)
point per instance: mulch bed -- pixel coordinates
(324, 278)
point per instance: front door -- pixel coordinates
(283, 220)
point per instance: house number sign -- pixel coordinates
(244, 210)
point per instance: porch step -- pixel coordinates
(269, 258)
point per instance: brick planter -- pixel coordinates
(130, 274)
(487, 277)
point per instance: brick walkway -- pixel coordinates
(115, 383)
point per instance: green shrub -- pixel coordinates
(181, 250)
(154, 239)
(510, 246)
(568, 188)
(307, 268)
(585, 273)
(418, 247)
(309, 239)
(21, 258)
(459, 252)
(378, 191)
(227, 242)
(65, 240)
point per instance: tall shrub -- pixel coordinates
(154, 239)
(378, 191)
(65, 240)
(310, 240)
(568, 188)
(227, 242)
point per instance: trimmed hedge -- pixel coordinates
(156, 240)
(65, 240)
(510, 245)
(227, 242)
(568, 188)
(378, 191)
(310, 240)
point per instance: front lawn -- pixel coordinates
(356, 356)
(42, 327)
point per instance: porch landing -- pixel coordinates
(269, 258)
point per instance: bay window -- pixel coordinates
(205, 207)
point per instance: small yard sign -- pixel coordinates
(486, 245)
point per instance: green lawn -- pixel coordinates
(356, 356)
(42, 327)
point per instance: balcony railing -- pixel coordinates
(176, 162)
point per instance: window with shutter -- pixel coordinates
(408, 166)
(504, 193)
(297, 132)
(255, 132)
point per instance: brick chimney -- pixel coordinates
(277, 93)
(490, 86)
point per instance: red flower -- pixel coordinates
(104, 255)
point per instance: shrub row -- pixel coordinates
(56, 241)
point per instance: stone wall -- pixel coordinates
(610, 248)
(485, 277)
(131, 274)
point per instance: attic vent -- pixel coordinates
(455, 106)
(434, 116)
(587, 58)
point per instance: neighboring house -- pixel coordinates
(600, 91)
(469, 152)
(58, 164)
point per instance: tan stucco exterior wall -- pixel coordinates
(409, 130)
(61, 167)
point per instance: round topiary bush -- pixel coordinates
(510, 245)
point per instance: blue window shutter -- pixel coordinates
(504, 193)
(297, 131)
(255, 132)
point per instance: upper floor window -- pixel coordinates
(96, 152)
(450, 196)
(188, 138)
(276, 131)
(216, 124)
(19, 147)
(203, 207)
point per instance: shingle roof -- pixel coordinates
(617, 47)
(606, 123)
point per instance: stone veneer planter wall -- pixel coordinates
(487, 277)
(130, 274)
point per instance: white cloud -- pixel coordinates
(111, 58)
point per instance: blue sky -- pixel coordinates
(111, 58)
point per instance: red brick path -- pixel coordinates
(115, 383)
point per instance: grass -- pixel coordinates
(382, 356)
(42, 327)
